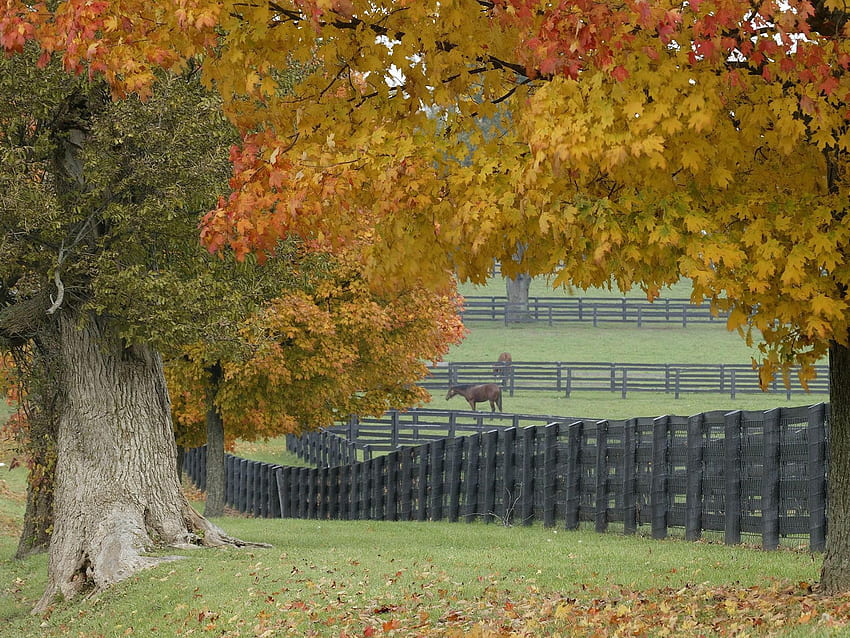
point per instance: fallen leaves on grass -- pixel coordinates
(420, 610)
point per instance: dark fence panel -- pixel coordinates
(741, 474)
(593, 310)
(567, 377)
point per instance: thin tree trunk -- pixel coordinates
(40, 446)
(38, 517)
(835, 573)
(214, 503)
(516, 310)
(117, 491)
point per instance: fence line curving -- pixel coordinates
(743, 474)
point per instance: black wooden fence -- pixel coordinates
(595, 310)
(743, 474)
(566, 377)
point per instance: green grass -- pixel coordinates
(321, 571)
(271, 451)
(361, 578)
(358, 578)
(605, 343)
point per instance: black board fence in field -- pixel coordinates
(594, 310)
(741, 474)
(568, 377)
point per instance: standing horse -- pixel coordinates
(503, 365)
(477, 392)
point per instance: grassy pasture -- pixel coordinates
(616, 343)
(365, 578)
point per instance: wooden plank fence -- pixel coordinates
(594, 310)
(622, 379)
(741, 474)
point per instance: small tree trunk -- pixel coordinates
(40, 444)
(214, 504)
(117, 491)
(835, 573)
(516, 310)
(38, 518)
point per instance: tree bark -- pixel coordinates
(516, 310)
(835, 573)
(215, 486)
(117, 491)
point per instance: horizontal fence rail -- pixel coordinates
(741, 474)
(567, 377)
(593, 310)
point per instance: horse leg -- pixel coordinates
(471, 404)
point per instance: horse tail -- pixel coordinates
(499, 398)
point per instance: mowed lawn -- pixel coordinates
(367, 578)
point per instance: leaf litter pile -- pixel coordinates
(426, 603)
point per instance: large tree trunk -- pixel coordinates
(835, 574)
(117, 491)
(214, 502)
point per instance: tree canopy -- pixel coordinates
(643, 141)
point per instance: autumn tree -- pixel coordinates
(326, 349)
(648, 141)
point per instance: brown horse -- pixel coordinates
(503, 365)
(477, 392)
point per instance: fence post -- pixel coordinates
(629, 477)
(354, 491)
(395, 422)
(509, 500)
(488, 484)
(281, 479)
(393, 461)
(732, 472)
(378, 485)
(471, 477)
(242, 502)
(817, 478)
(438, 454)
(770, 481)
(573, 498)
(601, 502)
(658, 494)
(422, 485)
(333, 493)
(453, 476)
(550, 473)
(693, 489)
(625, 384)
(527, 475)
(406, 500)
(366, 490)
